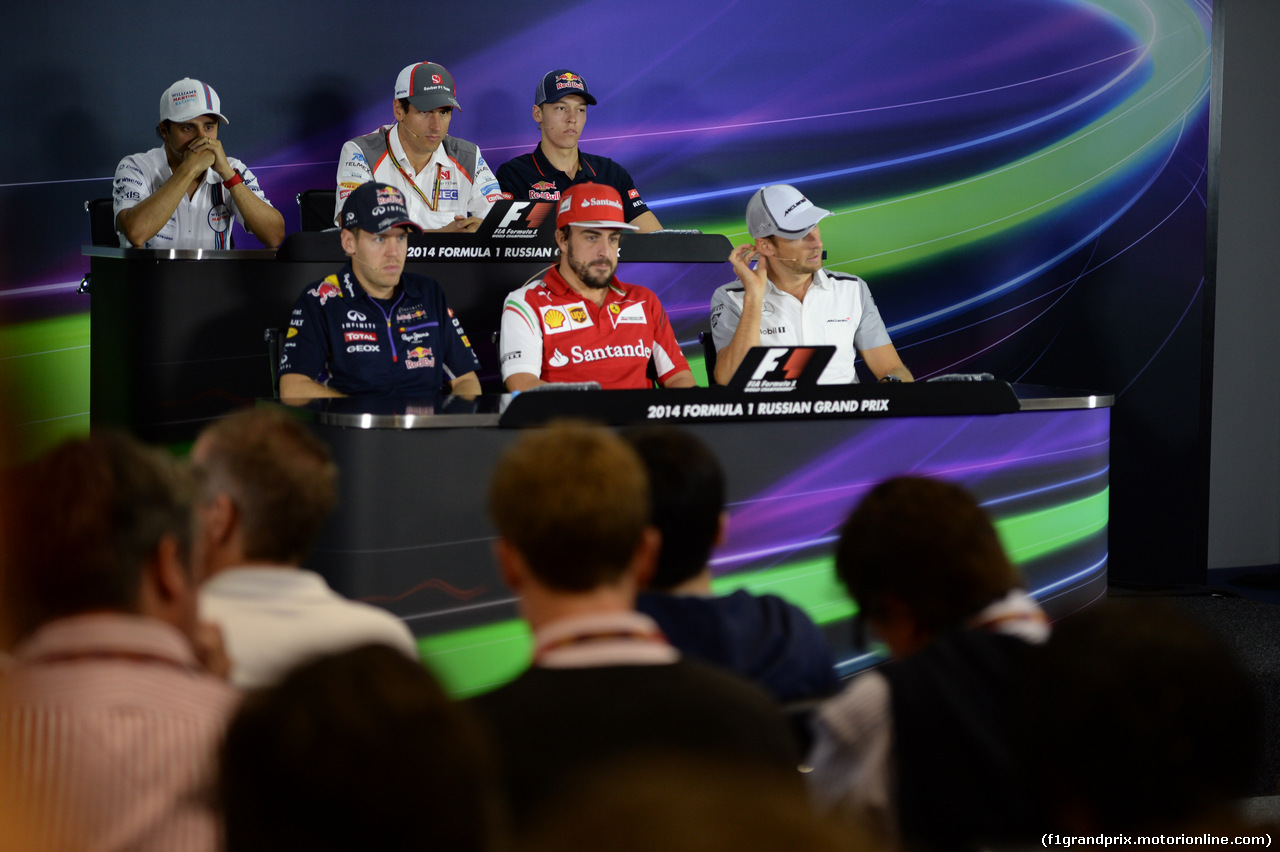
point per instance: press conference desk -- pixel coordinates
(412, 534)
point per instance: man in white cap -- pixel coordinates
(448, 185)
(579, 323)
(788, 299)
(184, 194)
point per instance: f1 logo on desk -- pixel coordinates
(780, 368)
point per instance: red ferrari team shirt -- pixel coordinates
(557, 335)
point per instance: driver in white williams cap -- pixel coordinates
(184, 194)
(788, 299)
(445, 180)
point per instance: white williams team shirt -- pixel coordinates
(202, 222)
(837, 311)
(443, 180)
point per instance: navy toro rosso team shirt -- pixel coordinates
(532, 177)
(408, 345)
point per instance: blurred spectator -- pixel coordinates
(267, 488)
(359, 750)
(108, 717)
(686, 804)
(761, 637)
(919, 748)
(571, 507)
(1141, 723)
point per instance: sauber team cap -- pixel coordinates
(782, 211)
(376, 208)
(428, 86)
(188, 99)
(557, 84)
(592, 205)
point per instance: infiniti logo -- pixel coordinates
(356, 316)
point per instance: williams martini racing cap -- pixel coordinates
(557, 84)
(592, 205)
(428, 86)
(376, 208)
(781, 211)
(188, 99)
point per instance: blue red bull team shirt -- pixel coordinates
(532, 177)
(557, 335)
(408, 345)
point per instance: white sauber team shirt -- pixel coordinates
(837, 311)
(202, 222)
(458, 193)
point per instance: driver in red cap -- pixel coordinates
(579, 323)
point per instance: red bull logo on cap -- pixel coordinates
(569, 80)
(390, 195)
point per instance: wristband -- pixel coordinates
(889, 377)
(236, 178)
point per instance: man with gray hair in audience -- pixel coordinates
(268, 485)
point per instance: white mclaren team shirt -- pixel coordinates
(837, 311)
(202, 222)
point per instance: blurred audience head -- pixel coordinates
(1139, 719)
(688, 804)
(99, 524)
(922, 550)
(687, 494)
(573, 500)
(359, 750)
(267, 479)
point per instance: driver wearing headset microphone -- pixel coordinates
(371, 328)
(447, 184)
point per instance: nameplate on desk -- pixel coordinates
(722, 405)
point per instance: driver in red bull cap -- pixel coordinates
(371, 328)
(579, 323)
(560, 111)
(446, 183)
(186, 193)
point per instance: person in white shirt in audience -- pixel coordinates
(268, 485)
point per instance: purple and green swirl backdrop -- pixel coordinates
(1022, 184)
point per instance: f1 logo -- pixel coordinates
(768, 364)
(517, 207)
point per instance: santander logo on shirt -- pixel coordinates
(583, 355)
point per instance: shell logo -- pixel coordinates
(554, 319)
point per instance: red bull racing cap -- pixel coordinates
(782, 211)
(428, 86)
(557, 84)
(376, 208)
(188, 99)
(592, 205)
